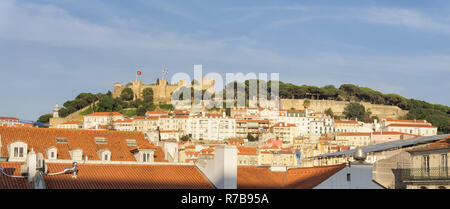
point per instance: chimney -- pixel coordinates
(222, 170)
(225, 161)
(31, 165)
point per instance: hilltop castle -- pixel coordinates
(162, 90)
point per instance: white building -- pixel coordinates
(285, 131)
(95, 120)
(145, 124)
(123, 125)
(417, 127)
(211, 126)
(70, 125)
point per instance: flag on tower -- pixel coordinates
(139, 72)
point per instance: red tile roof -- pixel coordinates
(12, 168)
(282, 124)
(9, 118)
(442, 142)
(115, 176)
(251, 177)
(126, 120)
(41, 138)
(72, 122)
(105, 114)
(157, 113)
(406, 121)
(247, 150)
(411, 125)
(354, 134)
(346, 121)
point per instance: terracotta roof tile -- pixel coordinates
(411, 125)
(251, 177)
(101, 176)
(91, 176)
(12, 168)
(41, 138)
(105, 114)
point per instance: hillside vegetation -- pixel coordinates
(438, 115)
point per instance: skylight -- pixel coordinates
(100, 140)
(131, 142)
(61, 140)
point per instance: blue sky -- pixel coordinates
(52, 50)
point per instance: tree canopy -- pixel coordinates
(355, 111)
(127, 94)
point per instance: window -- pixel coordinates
(426, 164)
(146, 157)
(444, 162)
(131, 142)
(100, 140)
(16, 151)
(20, 151)
(61, 140)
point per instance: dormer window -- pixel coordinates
(17, 151)
(146, 157)
(104, 155)
(143, 155)
(76, 154)
(52, 153)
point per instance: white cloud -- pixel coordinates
(404, 17)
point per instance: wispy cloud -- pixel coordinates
(405, 17)
(54, 38)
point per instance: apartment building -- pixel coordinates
(214, 127)
(417, 127)
(98, 119)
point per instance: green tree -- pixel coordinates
(45, 118)
(329, 112)
(251, 138)
(185, 138)
(147, 93)
(355, 111)
(127, 94)
(141, 111)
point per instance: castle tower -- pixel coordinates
(55, 111)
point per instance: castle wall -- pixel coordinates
(382, 111)
(76, 116)
(161, 91)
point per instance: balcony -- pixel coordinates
(412, 174)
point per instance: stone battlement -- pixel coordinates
(382, 111)
(162, 90)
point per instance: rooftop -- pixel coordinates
(42, 138)
(250, 177)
